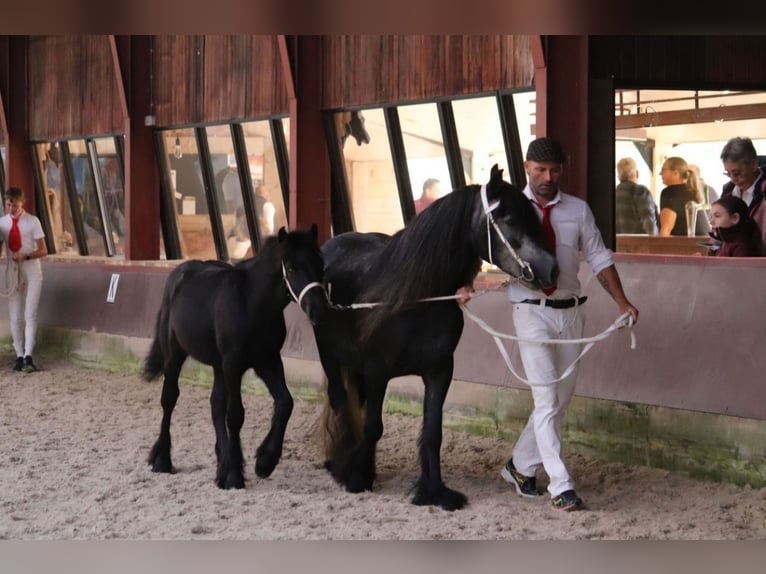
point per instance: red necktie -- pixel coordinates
(549, 233)
(14, 236)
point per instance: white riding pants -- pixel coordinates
(540, 441)
(22, 307)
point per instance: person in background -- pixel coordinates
(732, 226)
(23, 237)
(747, 180)
(431, 192)
(682, 187)
(571, 229)
(264, 210)
(709, 194)
(635, 210)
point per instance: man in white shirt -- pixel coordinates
(555, 316)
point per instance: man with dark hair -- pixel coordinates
(747, 180)
(570, 228)
(24, 241)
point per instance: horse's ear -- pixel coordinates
(315, 233)
(282, 234)
(495, 181)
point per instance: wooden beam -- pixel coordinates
(698, 116)
(19, 164)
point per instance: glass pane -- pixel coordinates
(370, 171)
(229, 191)
(113, 191)
(189, 192)
(262, 162)
(87, 198)
(480, 136)
(57, 200)
(424, 148)
(526, 112)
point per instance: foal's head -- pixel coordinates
(303, 271)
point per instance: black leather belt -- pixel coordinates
(558, 303)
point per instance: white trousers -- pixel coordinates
(540, 441)
(22, 307)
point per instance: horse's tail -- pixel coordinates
(154, 363)
(345, 425)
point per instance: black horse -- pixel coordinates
(231, 318)
(362, 349)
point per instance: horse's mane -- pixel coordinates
(430, 257)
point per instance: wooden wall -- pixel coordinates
(217, 78)
(704, 62)
(72, 87)
(368, 69)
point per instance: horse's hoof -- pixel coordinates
(230, 483)
(265, 465)
(163, 465)
(442, 496)
(358, 482)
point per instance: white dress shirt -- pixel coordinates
(576, 231)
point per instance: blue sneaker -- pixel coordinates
(525, 485)
(567, 500)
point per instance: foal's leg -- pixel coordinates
(230, 462)
(159, 456)
(430, 489)
(218, 414)
(267, 455)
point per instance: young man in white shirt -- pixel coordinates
(23, 237)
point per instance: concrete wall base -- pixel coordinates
(701, 445)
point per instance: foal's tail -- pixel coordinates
(154, 363)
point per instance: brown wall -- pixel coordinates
(72, 87)
(704, 62)
(217, 78)
(379, 69)
(699, 337)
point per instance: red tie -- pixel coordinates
(14, 236)
(549, 233)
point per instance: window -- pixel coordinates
(391, 154)
(188, 193)
(652, 125)
(263, 169)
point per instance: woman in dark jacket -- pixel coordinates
(734, 228)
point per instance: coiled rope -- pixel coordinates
(12, 278)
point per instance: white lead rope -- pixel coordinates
(12, 278)
(624, 320)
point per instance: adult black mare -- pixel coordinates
(231, 318)
(362, 349)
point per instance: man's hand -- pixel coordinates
(464, 295)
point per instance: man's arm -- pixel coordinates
(610, 281)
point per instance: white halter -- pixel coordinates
(526, 270)
(299, 298)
